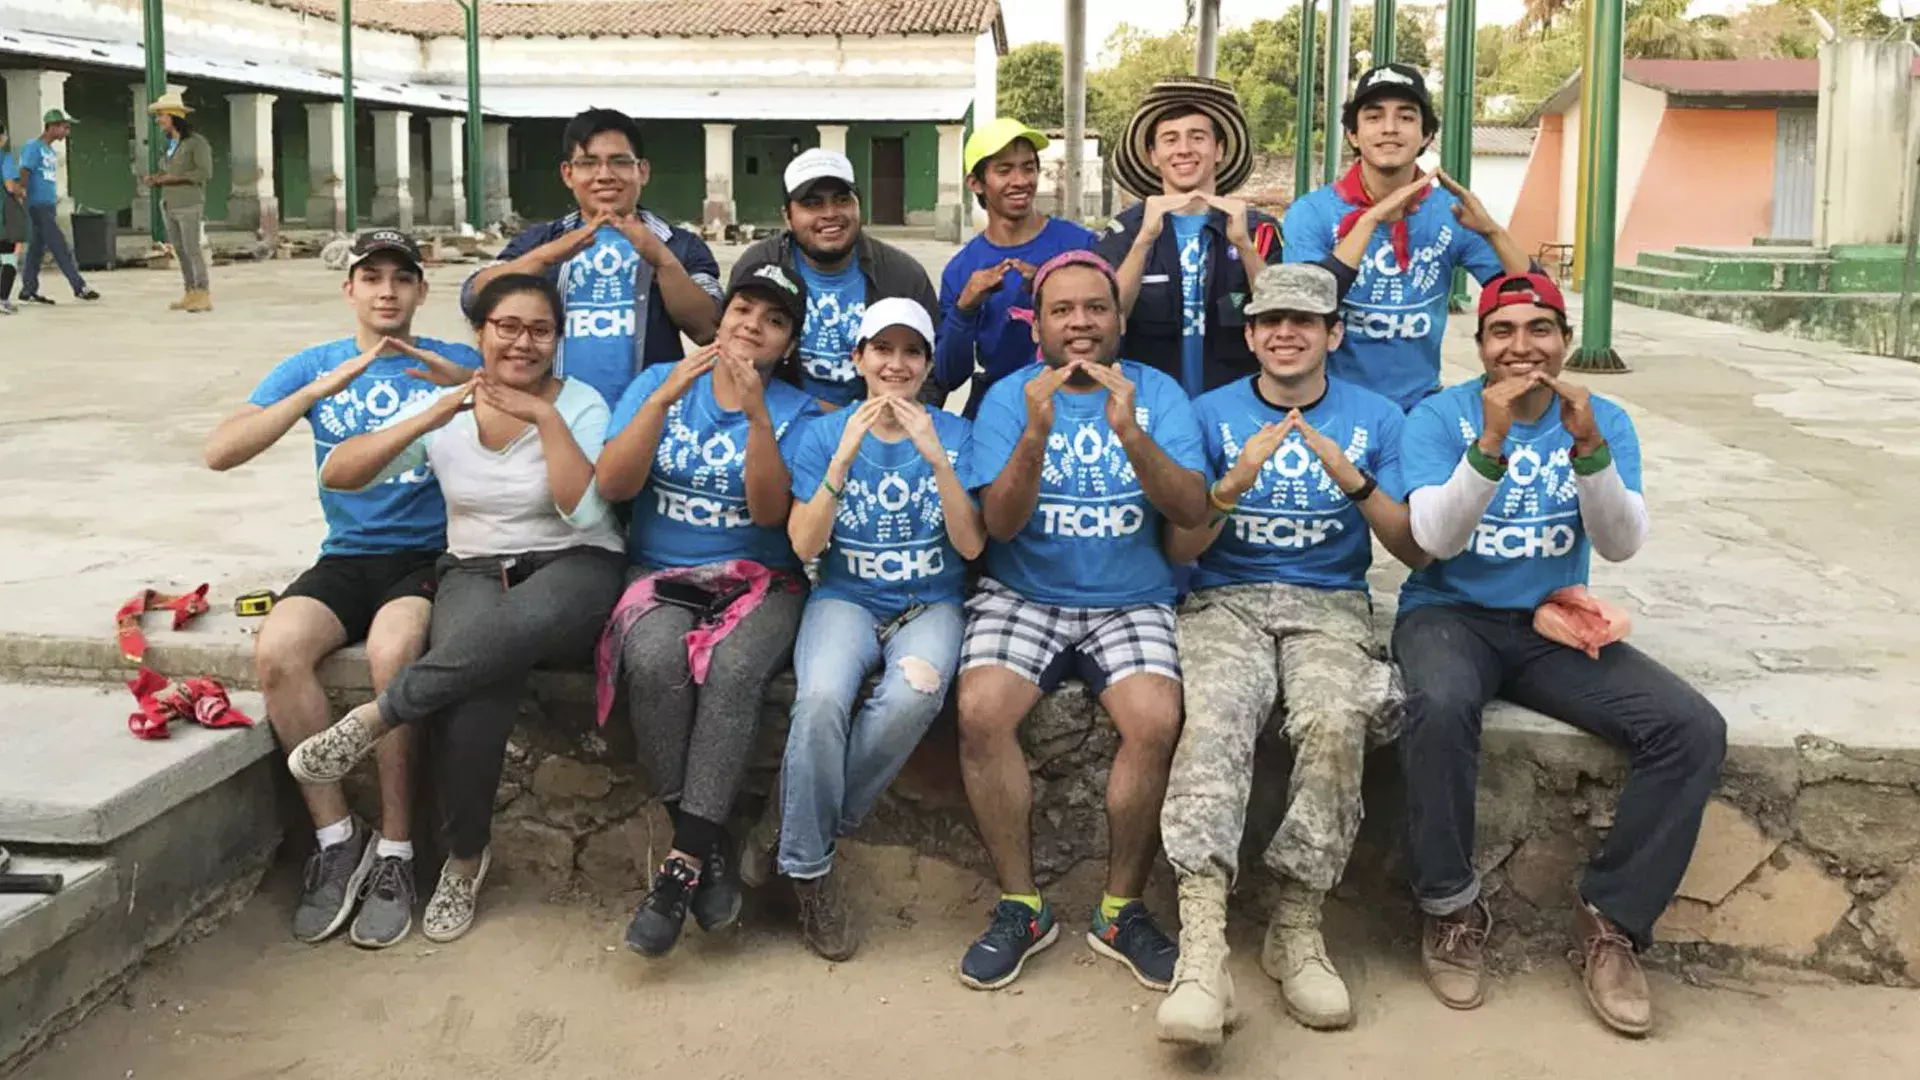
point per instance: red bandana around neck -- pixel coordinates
(1353, 191)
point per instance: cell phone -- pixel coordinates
(683, 595)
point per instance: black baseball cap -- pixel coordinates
(778, 284)
(1403, 81)
(384, 241)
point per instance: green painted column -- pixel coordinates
(476, 134)
(1303, 114)
(1386, 45)
(1596, 299)
(153, 14)
(1456, 113)
(351, 166)
(1339, 53)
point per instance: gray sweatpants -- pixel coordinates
(186, 233)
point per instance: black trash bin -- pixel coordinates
(92, 240)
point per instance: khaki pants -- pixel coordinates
(187, 232)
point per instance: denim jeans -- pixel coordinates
(837, 762)
(1456, 659)
(48, 237)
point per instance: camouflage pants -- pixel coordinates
(1245, 649)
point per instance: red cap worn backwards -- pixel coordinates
(1520, 289)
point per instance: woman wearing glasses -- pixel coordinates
(533, 566)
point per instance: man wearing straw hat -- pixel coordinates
(1187, 256)
(186, 164)
(39, 168)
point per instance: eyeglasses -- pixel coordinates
(618, 163)
(541, 333)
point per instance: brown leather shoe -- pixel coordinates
(1610, 969)
(826, 918)
(1452, 951)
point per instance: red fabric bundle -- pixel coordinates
(203, 701)
(1580, 620)
(126, 621)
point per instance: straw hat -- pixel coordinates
(170, 103)
(1133, 160)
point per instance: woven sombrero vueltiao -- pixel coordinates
(1133, 160)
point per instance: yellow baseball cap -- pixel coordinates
(997, 136)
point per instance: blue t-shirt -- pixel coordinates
(1296, 526)
(1094, 539)
(889, 549)
(41, 161)
(990, 337)
(1396, 315)
(693, 509)
(9, 167)
(405, 513)
(1190, 235)
(836, 302)
(1531, 542)
(598, 286)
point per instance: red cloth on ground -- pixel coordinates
(202, 700)
(126, 621)
(1580, 620)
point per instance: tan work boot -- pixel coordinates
(1610, 969)
(1295, 956)
(182, 304)
(1452, 955)
(1199, 1006)
(199, 300)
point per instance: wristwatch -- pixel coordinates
(1366, 490)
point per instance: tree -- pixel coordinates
(1030, 85)
(1660, 30)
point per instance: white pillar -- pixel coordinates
(447, 197)
(833, 137)
(392, 169)
(30, 93)
(417, 150)
(950, 215)
(499, 183)
(326, 167)
(720, 210)
(252, 204)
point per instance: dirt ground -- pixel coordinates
(541, 989)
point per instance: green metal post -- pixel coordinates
(1386, 45)
(1339, 52)
(153, 12)
(1303, 114)
(476, 133)
(1596, 300)
(1456, 118)
(351, 165)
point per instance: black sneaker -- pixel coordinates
(35, 298)
(717, 902)
(86, 294)
(1132, 938)
(655, 928)
(1016, 932)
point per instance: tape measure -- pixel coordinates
(253, 604)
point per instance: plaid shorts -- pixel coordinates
(1046, 644)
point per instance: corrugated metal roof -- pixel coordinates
(1729, 77)
(666, 18)
(1499, 140)
(808, 103)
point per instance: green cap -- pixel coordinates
(997, 136)
(55, 116)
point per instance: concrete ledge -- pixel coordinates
(30, 925)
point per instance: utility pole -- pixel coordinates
(1206, 45)
(1386, 42)
(351, 165)
(1339, 56)
(476, 135)
(153, 14)
(1303, 114)
(1073, 83)
(1596, 297)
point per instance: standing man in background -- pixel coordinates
(13, 219)
(39, 166)
(186, 166)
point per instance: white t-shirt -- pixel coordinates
(498, 501)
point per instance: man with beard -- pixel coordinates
(632, 282)
(1396, 310)
(985, 333)
(844, 270)
(1077, 460)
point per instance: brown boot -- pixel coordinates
(199, 300)
(1452, 949)
(826, 919)
(1610, 969)
(182, 304)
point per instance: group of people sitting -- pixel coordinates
(1180, 440)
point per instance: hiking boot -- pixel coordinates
(1200, 1006)
(455, 901)
(334, 877)
(826, 918)
(386, 906)
(1452, 955)
(717, 901)
(1132, 938)
(1610, 970)
(655, 928)
(1015, 933)
(199, 300)
(328, 757)
(181, 304)
(1295, 956)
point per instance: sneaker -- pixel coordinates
(826, 918)
(35, 298)
(655, 928)
(86, 294)
(455, 901)
(7, 308)
(328, 757)
(1016, 933)
(332, 886)
(717, 901)
(1132, 938)
(386, 906)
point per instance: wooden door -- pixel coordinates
(887, 201)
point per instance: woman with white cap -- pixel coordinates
(186, 166)
(879, 499)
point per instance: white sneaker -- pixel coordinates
(450, 913)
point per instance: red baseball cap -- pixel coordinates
(1520, 289)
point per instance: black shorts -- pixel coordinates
(356, 587)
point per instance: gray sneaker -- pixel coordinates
(386, 913)
(332, 888)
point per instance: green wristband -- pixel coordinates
(836, 492)
(1484, 465)
(1594, 462)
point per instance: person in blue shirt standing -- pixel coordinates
(1308, 471)
(986, 328)
(633, 282)
(13, 220)
(1516, 478)
(1078, 461)
(39, 166)
(1396, 311)
(879, 499)
(375, 576)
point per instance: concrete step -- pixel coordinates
(1652, 278)
(1751, 270)
(1736, 251)
(31, 924)
(1780, 242)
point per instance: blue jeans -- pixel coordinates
(838, 763)
(48, 237)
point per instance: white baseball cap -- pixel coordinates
(816, 165)
(882, 315)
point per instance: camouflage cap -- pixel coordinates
(1304, 287)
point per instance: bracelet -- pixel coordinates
(1488, 467)
(1221, 506)
(836, 492)
(1366, 490)
(1594, 462)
